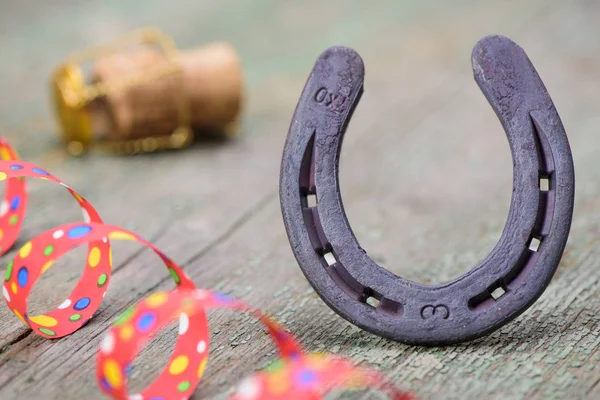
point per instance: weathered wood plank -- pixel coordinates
(214, 208)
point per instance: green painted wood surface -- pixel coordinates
(214, 208)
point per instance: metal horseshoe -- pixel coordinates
(507, 282)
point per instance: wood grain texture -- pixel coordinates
(214, 207)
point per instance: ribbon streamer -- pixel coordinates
(297, 376)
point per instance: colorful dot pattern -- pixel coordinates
(296, 376)
(39, 254)
(26, 268)
(310, 378)
(181, 376)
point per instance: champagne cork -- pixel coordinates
(142, 94)
(208, 87)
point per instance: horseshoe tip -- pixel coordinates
(493, 45)
(495, 41)
(342, 55)
(492, 54)
(337, 50)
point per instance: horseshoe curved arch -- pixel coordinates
(508, 281)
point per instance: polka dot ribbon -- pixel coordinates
(297, 375)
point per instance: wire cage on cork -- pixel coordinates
(141, 94)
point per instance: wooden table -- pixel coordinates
(214, 208)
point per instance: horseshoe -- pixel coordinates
(507, 282)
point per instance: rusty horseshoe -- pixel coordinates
(508, 281)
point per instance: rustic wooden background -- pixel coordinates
(426, 178)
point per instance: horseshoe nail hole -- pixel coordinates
(372, 301)
(544, 184)
(329, 259)
(498, 292)
(535, 243)
(311, 200)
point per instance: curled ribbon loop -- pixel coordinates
(297, 376)
(138, 324)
